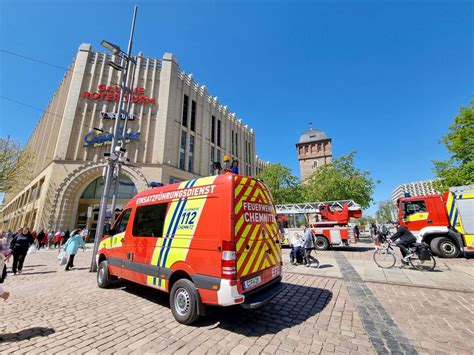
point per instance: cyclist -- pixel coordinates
(404, 239)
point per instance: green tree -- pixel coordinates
(14, 164)
(459, 169)
(283, 185)
(365, 220)
(385, 211)
(340, 180)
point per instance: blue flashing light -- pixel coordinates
(156, 184)
(407, 194)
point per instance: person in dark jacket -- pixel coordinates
(308, 245)
(19, 246)
(404, 238)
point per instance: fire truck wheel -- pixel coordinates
(447, 248)
(103, 277)
(321, 243)
(434, 245)
(183, 301)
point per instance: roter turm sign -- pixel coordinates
(112, 93)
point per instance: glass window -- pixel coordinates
(191, 152)
(193, 115)
(219, 132)
(149, 221)
(412, 207)
(233, 140)
(213, 129)
(121, 224)
(185, 111)
(236, 145)
(213, 155)
(182, 150)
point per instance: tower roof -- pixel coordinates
(313, 135)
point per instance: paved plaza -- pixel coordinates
(348, 306)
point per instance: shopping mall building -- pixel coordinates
(177, 131)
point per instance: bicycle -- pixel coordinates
(421, 258)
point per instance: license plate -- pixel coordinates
(252, 282)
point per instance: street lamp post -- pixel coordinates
(115, 157)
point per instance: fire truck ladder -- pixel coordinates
(313, 207)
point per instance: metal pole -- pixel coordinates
(124, 132)
(116, 188)
(113, 159)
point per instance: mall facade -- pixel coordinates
(175, 132)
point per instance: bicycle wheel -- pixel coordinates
(384, 258)
(423, 265)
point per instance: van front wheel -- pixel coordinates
(183, 301)
(103, 277)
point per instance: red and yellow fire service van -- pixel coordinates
(209, 241)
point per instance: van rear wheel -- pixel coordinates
(183, 301)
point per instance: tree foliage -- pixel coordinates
(14, 164)
(340, 180)
(459, 169)
(385, 211)
(283, 185)
(365, 220)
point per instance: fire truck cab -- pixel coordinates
(209, 241)
(328, 221)
(445, 222)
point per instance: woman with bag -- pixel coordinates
(72, 246)
(19, 246)
(4, 255)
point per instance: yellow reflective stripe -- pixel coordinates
(243, 235)
(417, 217)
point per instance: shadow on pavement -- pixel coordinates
(26, 334)
(353, 249)
(292, 306)
(33, 273)
(325, 266)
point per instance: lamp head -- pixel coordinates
(111, 47)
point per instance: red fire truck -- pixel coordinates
(327, 220)
(445, 222)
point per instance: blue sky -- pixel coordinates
(384, 78)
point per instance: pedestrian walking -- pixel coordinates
(41, 239)
(72, 246)
(58, 238)
(67, 234)
(3, 270)
(19, 246)
(356, 233)
(50, 238)
(308, 245)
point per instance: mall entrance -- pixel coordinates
(89, 203)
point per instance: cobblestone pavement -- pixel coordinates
(53, 311)
(454, 274)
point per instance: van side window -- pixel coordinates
(149, 221)
(413, 207)
(122, 222)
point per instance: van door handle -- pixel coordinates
(269, 251)
(247, 247)
(130, 256)
(429, 221)
(122, 240)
